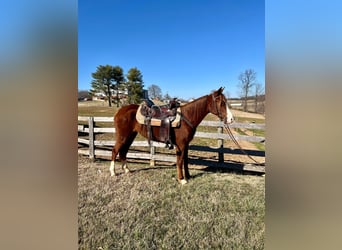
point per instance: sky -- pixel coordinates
(187, 48)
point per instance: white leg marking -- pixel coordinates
(112, 168)
(125, 167)
(183, 181)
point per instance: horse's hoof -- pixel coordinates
(127, 171)
(183, 181)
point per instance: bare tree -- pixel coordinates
(247, 79)
(154, 91)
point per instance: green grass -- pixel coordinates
(248, 120)
(148, 209)
(256, 132)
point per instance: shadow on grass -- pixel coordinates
(205, 166)
(234, 167)
(202, 165)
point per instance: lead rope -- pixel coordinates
(229, 132)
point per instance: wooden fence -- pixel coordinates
(88, 145)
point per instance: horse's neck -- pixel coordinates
(196, 111)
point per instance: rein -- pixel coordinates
(229, 132)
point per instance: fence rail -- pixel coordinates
(97, 148)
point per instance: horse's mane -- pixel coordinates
(196, 110)
(194, 101)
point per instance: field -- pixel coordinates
(148, 209)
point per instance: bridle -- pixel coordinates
(219, 114)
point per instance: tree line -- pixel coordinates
(110, 80)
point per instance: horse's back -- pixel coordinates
(127, 109)
(126, 112)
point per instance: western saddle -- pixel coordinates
(166, 114)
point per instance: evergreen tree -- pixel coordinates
(119, 79)
(103, 82)
(135, 85)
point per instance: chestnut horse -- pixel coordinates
(127, 127)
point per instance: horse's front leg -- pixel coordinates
(180, 162)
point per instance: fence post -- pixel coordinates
(153, 152)
(220, 145)
(91, 138)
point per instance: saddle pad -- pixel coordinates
(155, 122)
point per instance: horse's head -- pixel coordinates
(219, 106)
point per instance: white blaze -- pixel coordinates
(229, 115)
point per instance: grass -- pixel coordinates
(255, 132)
(248, 120)
(148, 209)
(96, 110)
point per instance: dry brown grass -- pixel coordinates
(148, 209)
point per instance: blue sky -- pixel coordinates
(187, 48)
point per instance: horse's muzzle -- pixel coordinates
(225, 120)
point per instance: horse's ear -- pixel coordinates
(220, 90)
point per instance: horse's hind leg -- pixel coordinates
(180, 162)
(115, 152)
(124, 123)
(124, 149)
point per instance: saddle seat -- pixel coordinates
(162, 116)
(150, 110)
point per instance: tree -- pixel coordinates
(119, 78)
(105, 79)
(154, 91)
(247, 79)
(135, 85)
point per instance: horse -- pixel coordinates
(127, 128)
